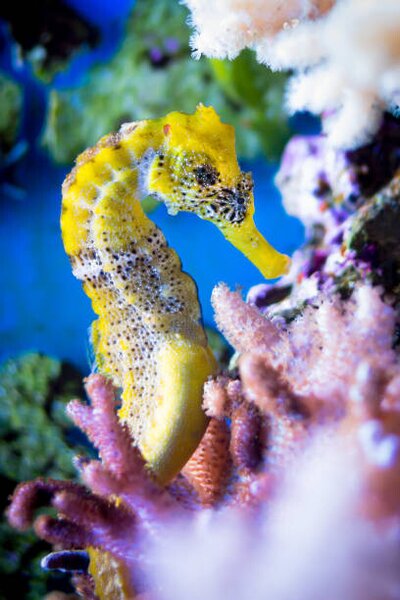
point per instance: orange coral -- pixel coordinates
(209, 469)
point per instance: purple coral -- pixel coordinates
(94, 518)
(325, 185)
(347, 200)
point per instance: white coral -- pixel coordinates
(346, 60)
(224, 27)
(347, 63)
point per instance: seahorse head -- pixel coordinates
(196, 169)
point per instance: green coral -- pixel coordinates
(34, 429)
(10, 114)
(136, 85)
(37, 439)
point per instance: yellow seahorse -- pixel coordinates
(148, 336)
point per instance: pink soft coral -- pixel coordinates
(121, 510)
(303, 438)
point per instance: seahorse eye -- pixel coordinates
(206, 175)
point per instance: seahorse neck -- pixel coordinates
(145, 141)
(142, 167)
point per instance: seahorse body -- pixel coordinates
(148, 336)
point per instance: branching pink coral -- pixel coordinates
(121, 470)
(94, 518)
(328, 338)
(332, 364)
(122, 510)
(85, 520)
(242, 325)
(302, 450)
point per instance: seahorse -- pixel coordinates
(148, 336)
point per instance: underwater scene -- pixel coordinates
(200, 309)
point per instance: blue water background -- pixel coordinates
(42, 306)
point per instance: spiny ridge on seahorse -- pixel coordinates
(148, 336)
